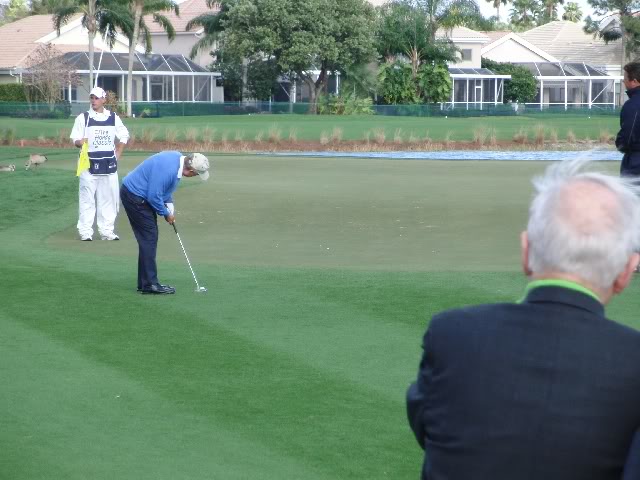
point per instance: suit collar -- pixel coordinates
(567, 296)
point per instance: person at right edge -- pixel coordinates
(628, 139)
(146, 192)
(547, 388)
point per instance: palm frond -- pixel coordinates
(154, 6)
(63, 15)
(205, 42)
(210, 22)
(166, 25)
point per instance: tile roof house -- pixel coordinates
(162, 78)
(21, 38)
(567, 42)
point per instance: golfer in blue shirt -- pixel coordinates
(146, 192)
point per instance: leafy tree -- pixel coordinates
(138, 9)
(15, 10)
(45, 7)
(360, 80)
(521, 88)
(496, 5)
(572, 12)
(98, 16)
(309, 38)
(262, 78)
(232, 73)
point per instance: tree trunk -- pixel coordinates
(137, 15)
(313, 99)
(316, 89)
(91, 28)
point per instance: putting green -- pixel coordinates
(322, 274)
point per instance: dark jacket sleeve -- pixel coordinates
(416, 394)
(628, 123)
(632, 465)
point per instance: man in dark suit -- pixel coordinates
(547, 388)
(628, 138)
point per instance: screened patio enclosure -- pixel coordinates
(156, 78)
(475, 87)
(573, 84)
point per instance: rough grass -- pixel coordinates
(354, 127)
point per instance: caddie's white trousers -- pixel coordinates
(101, 191)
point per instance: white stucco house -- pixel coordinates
(472, 85)
(572, 68)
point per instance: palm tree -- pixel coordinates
(551, 10)
(496, 5)
(408, 29)
(446, 14)
(138, 9)
(572, 12)
(98, 16)
(524, 13)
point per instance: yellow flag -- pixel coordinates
(83, 159)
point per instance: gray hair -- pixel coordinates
(583, 223)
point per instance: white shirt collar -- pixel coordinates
(94, 114)
(182, 157)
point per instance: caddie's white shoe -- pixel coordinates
(86, 238)
(111, 237)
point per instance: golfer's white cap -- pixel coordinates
(98, 92)
(200, 164)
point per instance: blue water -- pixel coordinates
(600, 155)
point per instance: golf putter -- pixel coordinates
(199, 288)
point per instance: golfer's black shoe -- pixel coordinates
(139, 289)
(158, 290)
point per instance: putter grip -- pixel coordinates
(175, 229)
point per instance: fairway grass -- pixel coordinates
(322, 275)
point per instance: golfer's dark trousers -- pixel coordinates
(144, 222)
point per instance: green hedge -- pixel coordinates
(12, 92)
(35, 110)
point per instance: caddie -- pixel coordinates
(98, 195)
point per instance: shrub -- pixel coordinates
(348, 104)
(111, 103)
(12, 92)
(521, 88)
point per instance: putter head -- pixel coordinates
(201, 289)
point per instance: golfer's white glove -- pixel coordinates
(170, 207)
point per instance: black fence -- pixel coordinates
(181, 109)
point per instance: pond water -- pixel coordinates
(533, 155)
